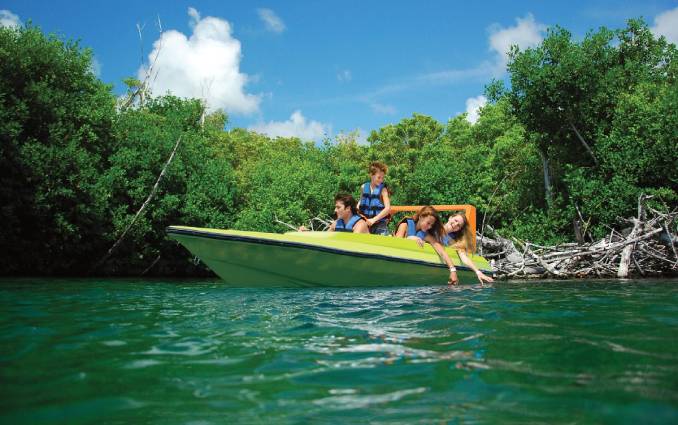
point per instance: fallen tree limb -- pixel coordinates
(647, 250)
(140, 211)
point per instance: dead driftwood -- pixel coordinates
(319, 223)
(139, 212)
(649, 249)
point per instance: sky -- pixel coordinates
(320, 69)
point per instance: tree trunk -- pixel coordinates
(583, 142)
(623, 270)
(547, 177)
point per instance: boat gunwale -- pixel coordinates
(264, 241)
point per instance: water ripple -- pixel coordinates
(358, 401)
(200, 352)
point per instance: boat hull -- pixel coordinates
(309, 259)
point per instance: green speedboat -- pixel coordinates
(307, 259)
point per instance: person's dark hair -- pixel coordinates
(348, 201)
(437, 229)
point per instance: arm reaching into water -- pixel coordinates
(482, 277)
(453, 279)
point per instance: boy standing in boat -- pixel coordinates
(375, 203)
(348, 219)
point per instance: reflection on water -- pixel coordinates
(198, 352)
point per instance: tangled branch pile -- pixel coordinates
(649, 249)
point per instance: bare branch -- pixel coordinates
(142, 209)
(641, 251)
(583, 142)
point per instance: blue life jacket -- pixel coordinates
(340, 226)
(412, 229)
(370, 201)
(449, 238)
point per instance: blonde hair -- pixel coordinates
(466, 240)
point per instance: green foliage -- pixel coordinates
(346, 159)
(198, 188)
(399, 147)
(55, 124)
(618, 90)
(74, 170)
(288, 181)
(539, 226)
(638, 156)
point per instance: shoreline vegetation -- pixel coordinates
(581, 134)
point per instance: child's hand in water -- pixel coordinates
(453, 280)
(482, 277)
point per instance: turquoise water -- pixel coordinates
(197, 352)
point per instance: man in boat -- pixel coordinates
(348, 219)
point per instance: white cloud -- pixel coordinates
(526, 33)
(96, 66)
(206, 66)
(344, 76)
(455, 75)
(473, 105)
(271, 20)
(383, 109)
(8, 19)
(666, 24)
(296, 126)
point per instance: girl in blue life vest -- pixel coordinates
(375, 204)
(459, 236)
(425, 226)
(348, 219)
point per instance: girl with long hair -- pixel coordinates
(425, 226)
(458, 235)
